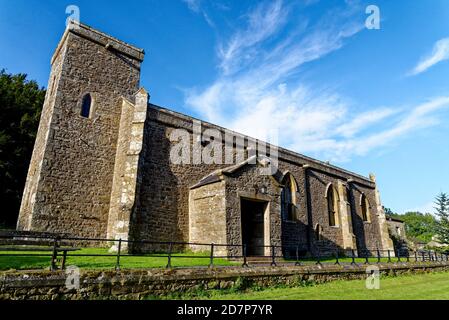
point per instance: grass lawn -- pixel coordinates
(432, 286)
(90, 262)
(41, 260)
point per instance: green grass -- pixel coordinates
(136, 262)
(431, 286)
(148, 261)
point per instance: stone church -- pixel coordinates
(101, 168)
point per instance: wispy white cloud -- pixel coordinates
(257, 89)
(263, 22)
(196, 7)
(407, 122)
(363, 120)
(193, 5)
(439, 53)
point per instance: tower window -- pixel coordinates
(86, 106)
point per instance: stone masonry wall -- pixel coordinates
(73, 186)
(397, 229)
(164, 194)
(126, 171)
(246, 183)
(123, 142)
(366, 232)
(207, 216)
(295, 233)
(149, 283)
(40, 151)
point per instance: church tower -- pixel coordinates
(69, 183)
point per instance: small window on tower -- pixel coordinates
(86, 106)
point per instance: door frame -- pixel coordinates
(266, 219)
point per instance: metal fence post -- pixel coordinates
(54, 255)
(170, 251)
(318, 258)
(353, 256)
(378, 255)
(366, 257)
(398, 252)
(245, 262)
(430, 256)
(117, 266)
(64, 258)
(423, 256)
(297, 263)
(416, 256)
(389, 256)
(273, 256)
(337, 259)
(211, 255)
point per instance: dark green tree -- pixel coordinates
(442, 212)
(20, 107)
(418, 226)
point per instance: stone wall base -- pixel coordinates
(138, 284)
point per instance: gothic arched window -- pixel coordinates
(288, 198)
(364, 203)
(332, 205)
(86, 106)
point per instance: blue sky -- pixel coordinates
(367, 100)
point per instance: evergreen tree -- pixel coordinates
(20, 107)
(442, 212)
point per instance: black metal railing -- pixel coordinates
(61, 248)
